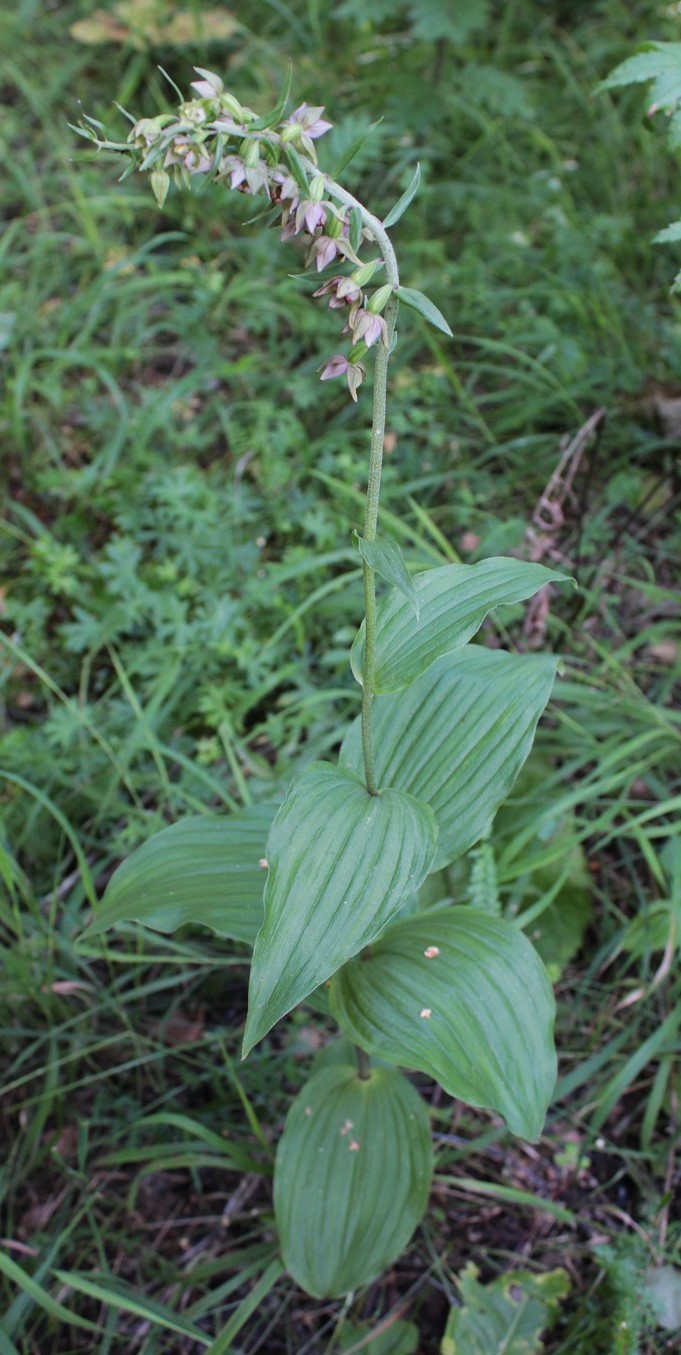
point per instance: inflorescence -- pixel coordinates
(213, 135)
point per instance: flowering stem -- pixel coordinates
(374, 481)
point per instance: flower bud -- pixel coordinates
(193, 112)
(250, 151)
(364, 274)
(146, 131)
(232, 105)
(316, 189)
(380, 299)
(358, 350)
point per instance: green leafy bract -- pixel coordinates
(454, 601)
(340, 863)
(464, 997)
(417, 301)
(387, 560)
(402, 203)
(351, 1177)
(200, 870)
(458, 736)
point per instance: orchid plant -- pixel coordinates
(455, 991)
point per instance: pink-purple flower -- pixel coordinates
(368, 328)
(310, 120)
(342, 292)
(339, 365)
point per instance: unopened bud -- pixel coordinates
(160, 183)
(365, 273)
(380, 299)
(232, 105)
(316, 189)
(250, 151)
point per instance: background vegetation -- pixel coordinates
(179, 596)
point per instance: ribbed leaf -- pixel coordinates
(425, 307)
(341, 861)
(458, 736)
(464, 997)
(454, 601)
(200, 870)
(351, 1177)
(387, 559)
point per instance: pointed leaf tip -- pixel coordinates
(340, 863)
(425, 307)
(464, 997)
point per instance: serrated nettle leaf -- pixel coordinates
(669, 235)
(387, 560)
(351, 1177)
(340, 863)
(402, 203)
(201, 871)
(463, 997)
(661, 63)
(457, 737)
(510, 1314)
(454, 601)
(425, 307)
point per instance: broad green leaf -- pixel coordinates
(661, 63)
(454, 601)
(434, 20)
(670, 235)
(200, 870)
(511, 1314)
(457, 737)
(463, 997)
(340, 863)
(425, 307)
(387, 559)
(351, 1177)
(402, 203)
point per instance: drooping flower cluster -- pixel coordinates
(214, 135)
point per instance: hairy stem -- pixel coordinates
(374, 482)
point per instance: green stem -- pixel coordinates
(370, 524)
(374, 482)
(363, 1064)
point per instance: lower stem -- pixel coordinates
(363, 1064)
(370, 524)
